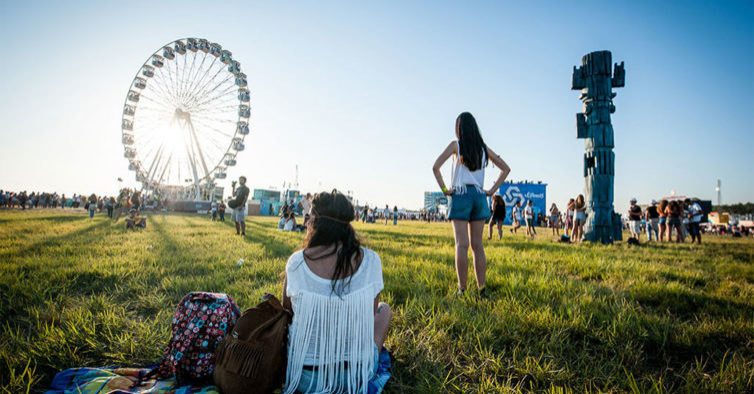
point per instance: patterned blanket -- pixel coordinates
(110, 380)
(117, 380)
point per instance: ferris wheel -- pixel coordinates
(185, 118)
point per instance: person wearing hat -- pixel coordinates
(634, 219)
(652, 216)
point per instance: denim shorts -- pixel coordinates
(469, 204)
(309, 378)
(663, 220)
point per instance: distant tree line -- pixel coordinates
(739, 209)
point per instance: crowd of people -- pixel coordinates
(128, 201)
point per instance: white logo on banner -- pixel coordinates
(512, 195)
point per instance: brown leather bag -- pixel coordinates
(252, 358)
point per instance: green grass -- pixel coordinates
(654, 318)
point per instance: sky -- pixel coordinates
(363, 96)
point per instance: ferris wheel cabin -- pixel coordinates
(243, 95)
(226, 57)
(133, 96)
(238, 144)
(204, 45)
(244, 111)
(241, 80)
(192, 45)
(242, 128)
(127, 124)
(129, 153)
(147, 71)
(230, 160)
(215, 49)
(180, 47)
(168, 53)
(221, 175)
(128, 139)
(158, 61)
(140, 83)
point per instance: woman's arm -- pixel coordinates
(451, 149)
(286, 300)
(504, 170)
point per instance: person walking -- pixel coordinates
(530, 217)
(652, 218)
(395, 215)
(239, 212)
(516, 217)
(579, 218)
(634, 220)
(498, 216)
(555, 219)
(468, 208)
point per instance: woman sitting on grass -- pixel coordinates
(333, 287)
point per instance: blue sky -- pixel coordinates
(363, 96)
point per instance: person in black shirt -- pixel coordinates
(498, 215)
(634, 219)
(652, 217)
(239, 212)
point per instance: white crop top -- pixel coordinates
(462, 176)
(330, 331)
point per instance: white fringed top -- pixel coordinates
(334, 334)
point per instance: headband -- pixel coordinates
(316, 214)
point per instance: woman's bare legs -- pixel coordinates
(381, 323)
(492, 224)
(477, 249)
(461, 234)
(499, 230)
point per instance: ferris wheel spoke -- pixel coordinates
(169, 86)
(215, 129)
(220, 69)
(225, 98)
(228, 79)
(199, 81)
(161, 104)
(195, 80)
(165, 85)
(206, 102)
(187, 80)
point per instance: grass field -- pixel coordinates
(81, 292)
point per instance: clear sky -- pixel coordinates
(363, 95)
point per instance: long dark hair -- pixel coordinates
(330, 225)
(471, 146)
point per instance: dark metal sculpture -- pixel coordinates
(596, 81)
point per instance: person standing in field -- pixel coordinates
(213, 210)
(221, 210)
(239, 212)
(579, 218)
(468, 208)
(663, 211)
(498, 216)
(530, 217)
(674, 221)
(569, 217)
(387, 213)
(395, 215)
(634, 220)
(516, 217)
(652, 216)
(555, 219)
(695, 217)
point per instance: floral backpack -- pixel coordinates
(200, 323)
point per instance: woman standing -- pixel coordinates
(569, 217)
(333, 287)
(579, 218)
(555, 219)
(498, 215)
(468, 207)
(663, 211)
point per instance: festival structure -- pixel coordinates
(185, 118)
(596, 79)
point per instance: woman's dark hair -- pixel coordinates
(330, 225)
(498, 200)
(471, 147)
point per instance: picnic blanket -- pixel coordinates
(113, 380)
(118, 380)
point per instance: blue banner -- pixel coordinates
(524, 192)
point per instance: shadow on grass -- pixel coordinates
(55, 240)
